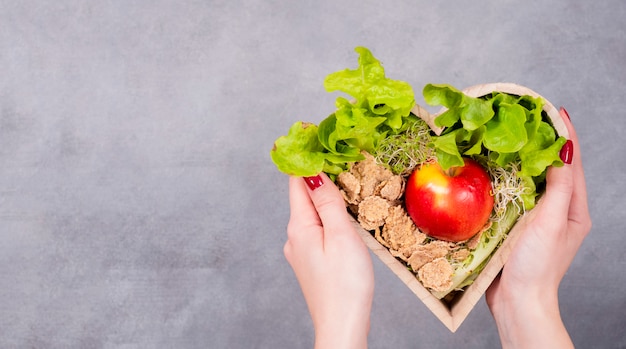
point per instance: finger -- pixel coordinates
(560, 182)
(580, 188)
(301, 207)
(558, 195)
(579, 210)
(330, 205)
(304, 228)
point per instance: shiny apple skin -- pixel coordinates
(450, 205)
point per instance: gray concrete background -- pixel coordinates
(139, 207)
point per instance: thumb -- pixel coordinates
(329, 204)
(559, 188)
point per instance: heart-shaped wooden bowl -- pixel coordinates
(453, 313)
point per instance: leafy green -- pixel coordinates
(375, 95)
(506, 132)
(447, 149)
(508, 128)
(379, 107)
(542, 151)
(472, 112)
(299, 152)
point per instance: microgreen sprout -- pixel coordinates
(507, 187)
(402, 152)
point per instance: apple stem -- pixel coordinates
(452, 171)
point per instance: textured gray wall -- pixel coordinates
(138, 204)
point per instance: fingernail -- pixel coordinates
(567, 152)
(566, 113)
(314, 182)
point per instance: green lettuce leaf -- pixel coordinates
(357, 128)
(535, 162)
(379, 106)
(442, 94)
(506, 132)
(299, 153)
(476, 112)
(529, 196)
(448, 154)
(475, 145)
(356, 82)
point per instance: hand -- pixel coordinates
(524, 299)
(331, 262)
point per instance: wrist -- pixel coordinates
(345, 335)
(518, 301)
(530, 318)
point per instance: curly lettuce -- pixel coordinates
(379, 107)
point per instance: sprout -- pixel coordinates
(508, 188)
(402, 152)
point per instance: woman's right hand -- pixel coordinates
(331, 262)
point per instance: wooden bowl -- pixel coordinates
(454, 312)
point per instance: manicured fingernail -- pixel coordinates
(567, 152)
(314, 182)
(566, 113)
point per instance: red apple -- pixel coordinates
(451, 205)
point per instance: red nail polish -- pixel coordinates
(314, 182)
(567, 152)
(566, 113)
